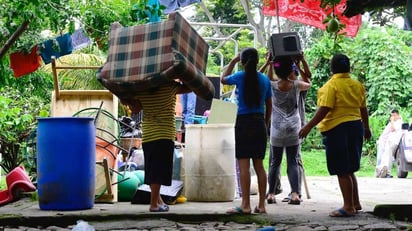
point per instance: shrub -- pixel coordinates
(17, 119)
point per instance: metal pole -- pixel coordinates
(277, 15)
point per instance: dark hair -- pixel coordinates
(340, 63)
(395, 111)
(249, 58)
(283, 66)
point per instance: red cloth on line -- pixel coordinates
(23, 64)
(310, 13)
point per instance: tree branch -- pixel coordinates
(211, 19)
(16, 35)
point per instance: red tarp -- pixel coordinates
(310, 13)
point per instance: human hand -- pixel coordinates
(298, 58)
(367, 134)
(304, 131)
(134, 105)
(236, 59)
(268, 57)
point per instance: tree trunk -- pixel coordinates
(211, 19)
(259, 26)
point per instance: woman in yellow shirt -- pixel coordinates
(342, 119)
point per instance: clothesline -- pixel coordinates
(23, 64)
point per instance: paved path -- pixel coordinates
(312, 214)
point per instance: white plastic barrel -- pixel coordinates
(209, 162)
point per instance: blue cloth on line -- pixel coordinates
(47, 50)
(173, 5)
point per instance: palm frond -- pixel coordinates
(78, 79)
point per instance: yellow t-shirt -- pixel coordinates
(344, 96)
(159, 113)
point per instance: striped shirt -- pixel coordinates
(159, 113)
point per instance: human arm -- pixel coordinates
(303, 68)
(229, 69)
(268, 63)
(319, 115)
(182, 88)
(263, 68)
(268, 113)
(303, 86)
(365, 122)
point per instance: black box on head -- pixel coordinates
(285, 44)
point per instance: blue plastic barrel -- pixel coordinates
(66, 162)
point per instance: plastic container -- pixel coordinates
(209, 162)
(66, 163)
(198, 119)
(106, 150)
(178, 123)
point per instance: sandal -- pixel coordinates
(237, 210)
(340, 213)
(271, 199)
(257, 210)
(162, 208)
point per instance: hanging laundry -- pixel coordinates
(51, 48)
(80, 39)
(173, 5)
(24, 63)
(155, 5)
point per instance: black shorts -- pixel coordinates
(250, 136)
(158, 162)
(343, 145)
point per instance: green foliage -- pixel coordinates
(314, 162)
(17, 119)
(141, 11)
(54, 15)
(38, 83)
(78, 79)
(376, 124)
(228, 11)
(98, 15)
(318, 58)
(382, 59)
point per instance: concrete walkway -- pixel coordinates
(311, 213)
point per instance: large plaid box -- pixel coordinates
(143, 56)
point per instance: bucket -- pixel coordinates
(209, 162)
(106, 150)
(66, 157)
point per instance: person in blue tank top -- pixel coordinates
(254, 101)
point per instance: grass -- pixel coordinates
(2, 180)
(314, 163)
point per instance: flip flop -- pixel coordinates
(294, 202)
(162, 208)
(257, 210)
(286, 199)
(237, 210)
(271, 200)
(340, 213)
